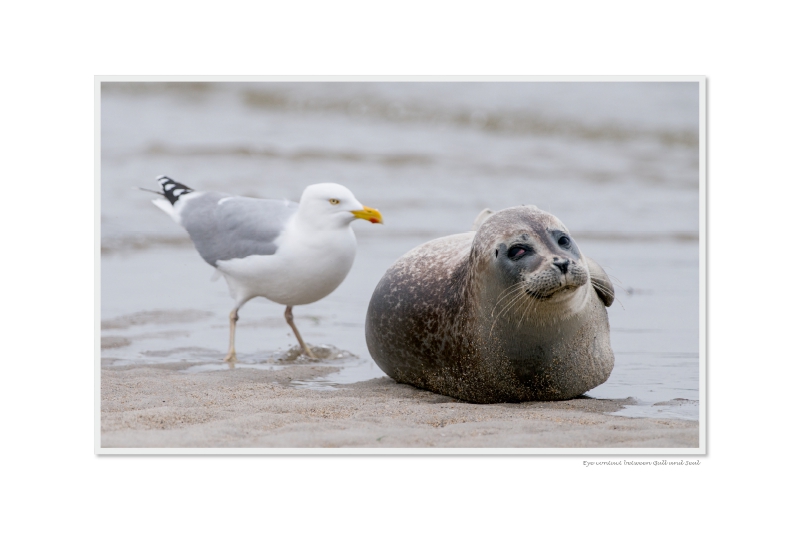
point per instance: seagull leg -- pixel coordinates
(290, 321)
(234, 317)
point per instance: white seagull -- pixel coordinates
(290, 253)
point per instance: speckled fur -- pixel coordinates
(442, 317)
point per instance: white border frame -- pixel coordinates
(703, 271)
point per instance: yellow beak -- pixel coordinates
(368, 213)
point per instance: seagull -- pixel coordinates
(291, 253)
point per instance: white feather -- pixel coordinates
(167, 207)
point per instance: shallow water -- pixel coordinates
(617, 163)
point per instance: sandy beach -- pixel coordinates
(163, 407)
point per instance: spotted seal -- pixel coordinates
(511, 312)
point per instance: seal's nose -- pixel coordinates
(561, 264)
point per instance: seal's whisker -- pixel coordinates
(520, 294)
(616, 281)
(508, 298)
(602, 288)
(530, 312)
(520, 302)
(504, 297)
(609, 292)
(504, 294)
(525, 314)
(517, 305)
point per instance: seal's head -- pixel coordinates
(533, 260)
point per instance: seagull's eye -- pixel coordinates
(334, 201)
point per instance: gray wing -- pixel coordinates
(223, 227)
(601, 282)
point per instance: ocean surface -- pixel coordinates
(618, 163)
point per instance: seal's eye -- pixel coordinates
(334, 201)
(517, 252)
(564, 242)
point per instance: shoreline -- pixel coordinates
(159, 406)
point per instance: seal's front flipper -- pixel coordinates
(600, 281)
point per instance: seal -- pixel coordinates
(508, 313)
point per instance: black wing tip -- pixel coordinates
(172, 190)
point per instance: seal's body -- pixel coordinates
(512, 312)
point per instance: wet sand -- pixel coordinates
(164, 407)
